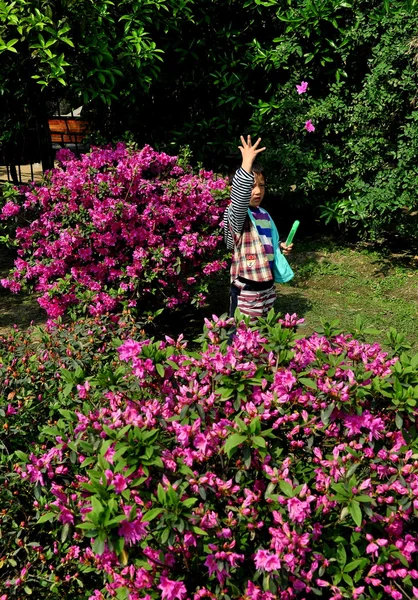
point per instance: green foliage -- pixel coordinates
(80, 52)
(231, 68)
(8, 193)
(86, 45)
(315, 441)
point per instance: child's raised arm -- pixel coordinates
(249, 152)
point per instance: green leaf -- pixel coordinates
(67, 41)
(259, 441)
(21, 455)
(286, 488)
(65, 531)
(152, 514)
(116, 520)
(310, 383)
(341, 555)
(199, 531)
(165, 534)
(98, 546)
(363, 498)
(233, 441)
(189, 502)
(355, 512)
(49, 516)
(340, 489)
(87, 526)
(354, 564)
(161, 494)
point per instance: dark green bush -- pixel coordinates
(231, 68)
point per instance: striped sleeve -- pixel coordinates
(236, 212)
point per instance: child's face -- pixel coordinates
(257, 193)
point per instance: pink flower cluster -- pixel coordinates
(118, 226)
(233, 473)
(10, 209)
(302, 89)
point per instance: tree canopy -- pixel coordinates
(199, 73)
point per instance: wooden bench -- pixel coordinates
(68, 130)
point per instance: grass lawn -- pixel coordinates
(339, 282)
(332, 281)
(336, 281)
(19, 309)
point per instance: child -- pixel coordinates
(257, 261)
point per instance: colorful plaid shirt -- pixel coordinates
(249, 259)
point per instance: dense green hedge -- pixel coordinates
(240, 74)
(200, 73)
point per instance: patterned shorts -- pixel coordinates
(253, 303)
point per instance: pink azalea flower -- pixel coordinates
(132, 531)
(253, 591)
(9, 210)
(309, 126)
(172, 589)
(266, 561)
(372, 548)
(129, 350)
(83, 390)
(302, 87)
(119, 482)
(298, 510)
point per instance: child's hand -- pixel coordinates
(286, 249)
(249, 152)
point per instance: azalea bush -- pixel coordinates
(267, 466)
(118, 227)
(43, 370)
(9, 209)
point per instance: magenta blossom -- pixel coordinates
(309, 126)
(132, 531)
(9, 210)
(266, 561)
(302, 87)
(170, 589)
(116, 227)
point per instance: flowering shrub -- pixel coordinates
(9, 209)
(116, 227)
(44, 369)
(41, 371)
(273, 467)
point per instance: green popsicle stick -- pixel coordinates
(292, 233)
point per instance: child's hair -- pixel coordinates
(258, 169)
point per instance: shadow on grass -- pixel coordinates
(388, 262)
(191, 322)
(292, 303)
(16, 309)
(20, 310)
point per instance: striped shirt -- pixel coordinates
(236, 213)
